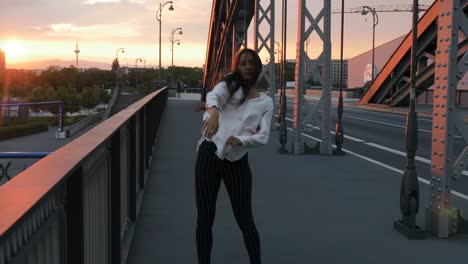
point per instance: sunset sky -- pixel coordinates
(48, 29)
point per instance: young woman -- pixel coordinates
(237, 117)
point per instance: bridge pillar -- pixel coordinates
(446, 166)
(321, 70)
(264, 42)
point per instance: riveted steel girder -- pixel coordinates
(228, 28)
(446, 165)
(390, 86)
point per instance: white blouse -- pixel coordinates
(249, 122)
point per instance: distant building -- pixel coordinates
(2, 61)
(360, 66)
(335, 72)
(359, 70)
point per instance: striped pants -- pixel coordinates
(237, 177)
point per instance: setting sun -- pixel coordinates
(14, 50)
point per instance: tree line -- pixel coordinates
(86, 88)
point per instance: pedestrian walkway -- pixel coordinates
(308, 208)
(187, 96)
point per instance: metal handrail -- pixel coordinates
(80, 203)
(111, 102)
(82, 124)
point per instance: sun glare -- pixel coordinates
(14, 50)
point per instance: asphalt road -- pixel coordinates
(380, 138)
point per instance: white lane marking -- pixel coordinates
(461, 195)
(382, 123)
(368, 110)
(382, 165)
(394, 151)
(389, 124)
(401, 153)
(353, 138)
(333, 132)
(384, 113)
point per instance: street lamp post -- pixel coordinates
(117, 69)
(409, 188)
(283, 132)
(171, 38)
(339, 137)
(279, 79)
(136, 69)
(375, 21)
(158, 17)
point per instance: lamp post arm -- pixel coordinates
(171, 37)
(161, 7)
(376, 19)
(117, 52)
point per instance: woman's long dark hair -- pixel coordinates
(234, 79)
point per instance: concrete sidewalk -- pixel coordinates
(187, 96)
(308, 208)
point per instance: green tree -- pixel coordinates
(40, 93)
(89, 97)
(115, 65)
(68, 95)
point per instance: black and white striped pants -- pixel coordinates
(237, 177)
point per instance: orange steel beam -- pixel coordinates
(219, 49)
(425, 79)
(405, 47)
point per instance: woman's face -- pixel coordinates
(246, 66)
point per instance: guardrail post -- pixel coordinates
(74, 219)
(155, 115)
(142, 150)
(132, 168)
(148, 134)
(115, 204)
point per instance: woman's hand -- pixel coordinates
(233, 141)
(210, 126)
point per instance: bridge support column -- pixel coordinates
(264, 42)
(321, 70)
(442, 219)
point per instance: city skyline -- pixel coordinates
(102, 26)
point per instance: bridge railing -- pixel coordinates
(82, 124)
(79, 203)
(111, 102)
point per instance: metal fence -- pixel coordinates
(79, 204)
(82, 124)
